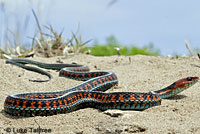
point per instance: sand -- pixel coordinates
(180, 114)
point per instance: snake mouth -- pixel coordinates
(188, 81)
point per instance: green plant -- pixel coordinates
(112, 43)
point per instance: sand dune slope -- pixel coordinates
(180, 114)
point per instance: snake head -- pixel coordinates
(177, 87)
(185, 82)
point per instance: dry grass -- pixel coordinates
(47, 44)
(192, 52)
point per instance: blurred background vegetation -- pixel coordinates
(47, 42)
(111, 46)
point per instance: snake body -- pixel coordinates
(87, 94)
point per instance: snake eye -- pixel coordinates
(189, 78)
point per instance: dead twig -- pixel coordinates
(187, 46)
(198, 55)
(38, 24)
(118, 51)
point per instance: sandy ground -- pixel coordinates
(180, 114)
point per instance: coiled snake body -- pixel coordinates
(87, 94)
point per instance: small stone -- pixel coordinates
(78, 132)
(113, 113)
(108, 131)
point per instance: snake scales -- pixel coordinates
(87, 94)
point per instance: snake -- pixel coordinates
(90, 93)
